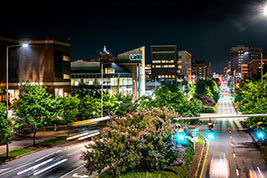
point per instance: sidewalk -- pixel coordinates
(20, 142)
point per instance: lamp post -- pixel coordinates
(7, 49)
(261, 68)
(102, 88)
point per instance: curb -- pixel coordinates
(203, 160)
(198, 166)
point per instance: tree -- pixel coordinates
(90, 107)
(35, 108)
(83, 90)
(70, 108)
(5, 129)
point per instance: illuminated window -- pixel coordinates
(66, 76)
(156, 61)
(166, 76)
(173, 76)
(171, 66)
(180, 67)
(59, 92)
(109, 70)
(170, 76)
(179, 62)
(157, 66)
(66, 94)
(178, 71)
(163, 61)
(66, 58)
(153, 66)
(171, 61)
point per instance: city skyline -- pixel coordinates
(207, 29)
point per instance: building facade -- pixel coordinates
(45, 61)
(240, 55)
(148, 72)
(164, 62)
(123, 74)
(184, 66)
(201, 70)
(254, 67)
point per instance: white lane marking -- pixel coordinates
(231, 137)
(230, 132)
(34, 167)
(229, 128)
(71, 171)
(237, 172)
(87, 136)
(234, 155)
(260, 172)
(49, 167)
(81, 176)
(58, 151)
(3, 170)
(232, 144)
(77, 136)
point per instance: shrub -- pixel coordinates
(141, 139)
(206, 100)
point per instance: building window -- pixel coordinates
(109, 70)
(66, 76)
(156, 61)
(180, 67)
(179, 62)
(178, 71)
(59, 92)
(66, 94)
(66, 58)
(171, 66)
(157, 66)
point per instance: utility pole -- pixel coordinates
(261, 68)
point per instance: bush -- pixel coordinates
(208, 110)
(137, 140)
(207, 101)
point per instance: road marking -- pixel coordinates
(3, 170)
(234, 155)
(232, 144)
(231, 137)
(230, 132)
(49, 167)
(260, 172)
(237, 172)
(35, 167)
(229, 128)
(71, 171)
(208, 145)
(81, 176)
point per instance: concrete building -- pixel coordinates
(148, 72)
(184, 66)
(124, 73)
(254, 67)
(201, 70)
(45, 61)
(244, 71)
(164, 62)
(242, 54)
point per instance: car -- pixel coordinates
(219, 166)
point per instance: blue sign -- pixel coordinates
(135, 57)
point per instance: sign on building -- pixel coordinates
(135, 57)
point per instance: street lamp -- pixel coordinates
(7, 48)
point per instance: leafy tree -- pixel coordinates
(70, 109)
(35, 108)
(146, 102)
(214, 89)
(124, 104)
(84, 90)
(90, 107)
(5, 129)
(109, 104)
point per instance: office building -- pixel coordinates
(242, 54)
(244, 71)
(148, 72)
(184, 66)
(124, 73)
(164, 62)
(45, 61)
(254, 67)
(201, 70)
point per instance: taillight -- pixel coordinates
(250, 174)
(210, 166)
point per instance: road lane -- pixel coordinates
(233, 140)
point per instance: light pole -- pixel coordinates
(7, 49)
(261, 68)
(102, 88)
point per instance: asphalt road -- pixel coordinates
(60, 161)
(235, 142)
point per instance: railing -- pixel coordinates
(223, 116)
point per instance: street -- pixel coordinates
(233, 140)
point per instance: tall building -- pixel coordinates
(123, 74)
(201, 70)
(254, 67)
(45, 61)
(164, 62)
(244, 71)
(242, 54)
(184, 66)
(148, 71)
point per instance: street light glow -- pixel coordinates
(265, 10)
(25, 45)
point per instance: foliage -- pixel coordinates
(109, 104)
(146, 102)
(207, 101)
(251, 98)
(141, 139)
(214, 89)
(170, 96)
(5, 129)
(34, 108)
(124, 104)
(17, 152)
(83, 90)
(70, 108)
(90, 107)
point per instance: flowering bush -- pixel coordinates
(141, 139)
(206, 100)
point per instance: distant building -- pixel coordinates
(45, 61)
(164, 62)
(123, 74)
(148, 71)
(184, 66)
(244, 71)
(242, 54)
(254, 67)
(201, 70)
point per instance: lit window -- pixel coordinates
(156, 61)
(171, 61)
(66, 58)
(171, 66)
(66, 76)
(179, 66)
(157, 66)
(178, 71)
(173, 76)
(59, 92)
(170, 76)
(109, 70)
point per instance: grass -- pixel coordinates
(143, 174)
(17, 152)
(52, 142)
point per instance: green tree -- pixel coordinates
(70, 109)
(124, 104)
(5, 129)
(35, 108)
(90, 107)
(214, 89)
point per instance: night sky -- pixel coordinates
(207, 29)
